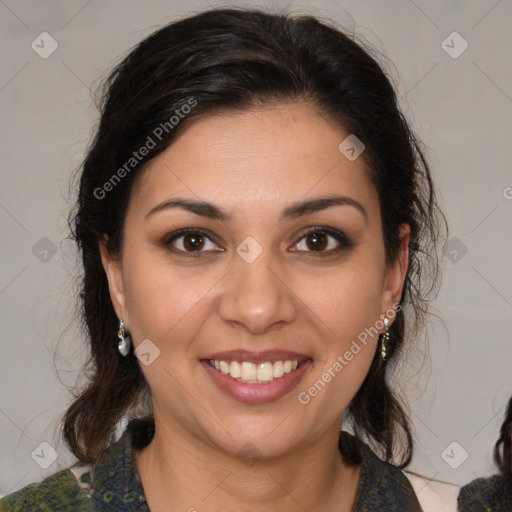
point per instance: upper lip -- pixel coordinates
(257, 357)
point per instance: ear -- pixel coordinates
(396, 272)
(114, 272)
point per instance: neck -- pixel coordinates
(181, 472)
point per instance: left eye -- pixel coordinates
(322, 240)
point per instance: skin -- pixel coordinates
(252, 165)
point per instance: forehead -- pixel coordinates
(254, 160)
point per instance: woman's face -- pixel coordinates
(252, 284)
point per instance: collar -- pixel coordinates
(117, 483)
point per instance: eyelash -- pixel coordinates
(339, 236)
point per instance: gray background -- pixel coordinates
(460, 107)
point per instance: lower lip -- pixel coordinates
(257, 393)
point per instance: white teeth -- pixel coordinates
(248, 372)
(235, 370)
(251, 373)
(278, 369)
(265, 372)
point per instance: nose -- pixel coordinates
(257, 296)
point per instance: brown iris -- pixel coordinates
(193, 242)
(318, 241)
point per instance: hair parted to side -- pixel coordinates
(241, 59)
(503, 446)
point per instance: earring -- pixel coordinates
(384, 340)
(124, 340)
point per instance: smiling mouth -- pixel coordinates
(251, 373)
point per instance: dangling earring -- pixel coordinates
(384, 340)
(124, 340)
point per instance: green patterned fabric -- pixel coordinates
(493, 494)
(113, 483)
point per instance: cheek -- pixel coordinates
(164, 306)
(346, 306)
(331, 387)
(345, 301)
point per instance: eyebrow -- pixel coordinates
(293, 211)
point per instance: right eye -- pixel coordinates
(192, 241)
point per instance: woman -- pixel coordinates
(254, 216)
(493, 494)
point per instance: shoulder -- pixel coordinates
(433, 495)
(386, 487)
(111, 483)
(382, 486)
(493, 494)
(57, 492)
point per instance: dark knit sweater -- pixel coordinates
(493, 494)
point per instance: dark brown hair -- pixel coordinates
(503, 446)
(240, 59)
